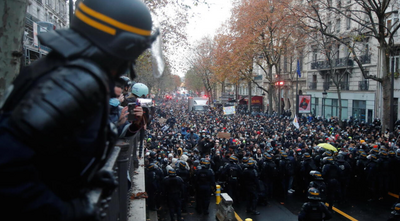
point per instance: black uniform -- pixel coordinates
(345, 176)
(250, 180)
(372, 173)
(231, 173)
(204, 181)
(56, 114)
(152, 177)
(314, 211)
(331, 174)
(269, 172)
(173, 187)
(185, 175)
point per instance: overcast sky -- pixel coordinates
(207, 19)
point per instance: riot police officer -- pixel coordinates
(231, 173)
(205, 182)
(361, 179)
(173, 187)
(183, 172)
(331, 174)
(152, 178)
(250, 178)
(372, 173)
(395, 213)
(306, 166)
(53, 118)
(314, 210)
(345, 175)
(318, 183)
(269, 171)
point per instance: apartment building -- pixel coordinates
(331, 68)
(42, 16)
(329, 71)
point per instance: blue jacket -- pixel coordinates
(113, 117)
(195, 137)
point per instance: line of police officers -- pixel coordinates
(257, 179)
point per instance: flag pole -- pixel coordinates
(297, 91)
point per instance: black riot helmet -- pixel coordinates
(313, 194)
(121, 28)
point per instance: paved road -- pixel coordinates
(357, 208)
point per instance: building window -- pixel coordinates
(329, 27)
(359, 110)
(394, 66)
(332, 108)
(315, 55)
(338, 52)
(392, 22)
(337, 25)
(348, 22)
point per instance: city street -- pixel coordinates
(354, 209)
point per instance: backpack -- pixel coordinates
(233, 172)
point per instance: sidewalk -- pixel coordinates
(137, 207)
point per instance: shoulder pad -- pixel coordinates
(66, 99)
(65, 42)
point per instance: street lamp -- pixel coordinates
(324, 94)
(279, 84)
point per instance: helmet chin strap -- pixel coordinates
(128, 68)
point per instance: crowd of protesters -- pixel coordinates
(259, 157)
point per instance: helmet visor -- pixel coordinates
(156, 49)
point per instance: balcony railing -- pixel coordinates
(341, 62)
(258, 78)
(29, 35)
(363, 85)
(312, 85)
(344, 85)
(365, 59)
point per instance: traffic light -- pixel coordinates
(279, 83)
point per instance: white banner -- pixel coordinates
(296, 122)
(35, 39)
(229, 110)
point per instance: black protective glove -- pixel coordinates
(81, 209)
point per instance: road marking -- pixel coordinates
(238, 217)
(394, 195)
(342, 213)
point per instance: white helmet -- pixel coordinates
(140, 90)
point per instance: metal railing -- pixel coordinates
(341, 62)
(365, 59)
(29, 36)
(258, 77)
(363, 85)
(122, 162)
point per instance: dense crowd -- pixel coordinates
(260, 157)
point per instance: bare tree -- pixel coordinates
(369, 22)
